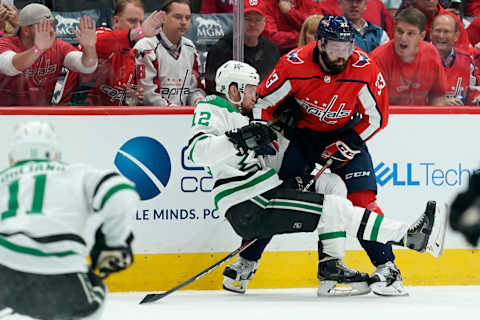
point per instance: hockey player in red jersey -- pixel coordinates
(457, 63)
(342, 102)
(116, 74)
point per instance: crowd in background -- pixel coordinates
(427, 50)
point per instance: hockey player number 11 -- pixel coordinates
(37, 202)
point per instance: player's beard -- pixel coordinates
(332, 67)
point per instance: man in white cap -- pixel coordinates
(31, 61)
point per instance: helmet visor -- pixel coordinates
(250, 91)
(339, 49)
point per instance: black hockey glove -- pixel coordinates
(254, 136)
(465, 211)
(106, 260)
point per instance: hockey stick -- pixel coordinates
(318, 174)
(152, 297)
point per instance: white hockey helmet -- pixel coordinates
(34, 140)
(236, 72)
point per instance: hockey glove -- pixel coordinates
(106, 260)
(465, 211)
(254, 136)
(340, 153)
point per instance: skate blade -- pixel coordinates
(330, 289)
(437, 238)
(235, 286)
(396, 289)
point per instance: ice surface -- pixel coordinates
(425, 303)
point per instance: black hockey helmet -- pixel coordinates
(336, 28)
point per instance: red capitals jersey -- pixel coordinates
(116, 65)
(415, 82)
(327, 102)
(460, 76)
(35, 86)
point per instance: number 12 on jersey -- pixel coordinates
(37, 201)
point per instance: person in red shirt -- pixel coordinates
(116, 74)
(458, 63)
(341, 101)
(472, 8)
(376, 13)
(217, 6)
(285, 18)
(431, 9)
(412, 67)
(31, 62)
(473, 31)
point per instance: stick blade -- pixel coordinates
(152, 297)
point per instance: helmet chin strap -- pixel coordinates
(236, 103)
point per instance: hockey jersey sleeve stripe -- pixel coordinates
(225, 193)
(371, 111)
(31, 251)
(111, 192)
(276, 96)
(49, 239)
(104, 179)
(190, 154)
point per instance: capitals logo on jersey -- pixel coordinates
(362, 61)
(293, 57)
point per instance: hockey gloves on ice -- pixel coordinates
(254, 136)
(106, 260)
(465, 211)
(339, 152)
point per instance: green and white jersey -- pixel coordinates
(237, 177)
(45, 207)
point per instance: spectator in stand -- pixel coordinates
(458, 63)
(472, 8)
(309, 30)
(284, 19)
(8, 20)
(474, 32)
(431, 9)
(115, 76)
(412, 67)
(259, 52)
(217, 6)
(368, 36)
(31, 62)
(167, 64)
(377, 13)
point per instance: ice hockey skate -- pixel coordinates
(332, 271)
(237, 275)
(428, 232)
(386, 280)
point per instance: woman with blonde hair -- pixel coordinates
(309, 29)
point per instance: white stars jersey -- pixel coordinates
(237, 177)
(44, 208)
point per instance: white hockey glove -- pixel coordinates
(106, 260)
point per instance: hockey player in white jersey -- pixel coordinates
(258, 204)
(45, 205)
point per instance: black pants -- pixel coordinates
(50, 297)
(277, 211)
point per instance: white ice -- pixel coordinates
(424, 303)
